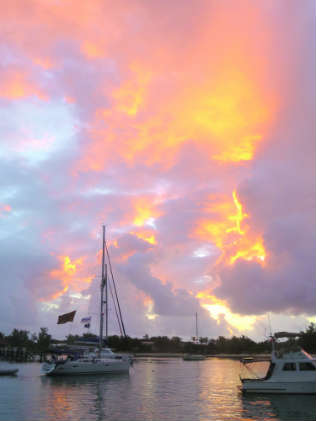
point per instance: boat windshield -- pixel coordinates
(270, 371)
(107, 351)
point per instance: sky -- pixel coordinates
(188, 129)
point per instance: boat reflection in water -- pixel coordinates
(280, 407)
(84, 397)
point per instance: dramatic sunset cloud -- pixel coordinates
(188, 129)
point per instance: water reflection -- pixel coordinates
(280, 407)
(171, 391)
(151, 360)
(218, 382)
(80, 397)
(70, 381)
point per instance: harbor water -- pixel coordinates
(155, 389)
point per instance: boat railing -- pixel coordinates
(249, 360)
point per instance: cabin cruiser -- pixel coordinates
(290, 371)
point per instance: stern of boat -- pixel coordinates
(48, 367)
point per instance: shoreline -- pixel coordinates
(180, 355)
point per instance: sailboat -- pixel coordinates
(194, 357)
(101, 361)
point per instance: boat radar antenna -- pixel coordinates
(269, 320)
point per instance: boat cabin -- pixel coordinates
(289, 366)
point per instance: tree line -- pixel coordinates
(21, 345)
(42, 343)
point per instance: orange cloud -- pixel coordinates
(226, 105)
(124, 256)
(144, 210)
(44, 62)
(146, 235)
(15, 85)
(149, 304)
(130, 95)
(92, 50)
(71, 274)
(227, 227)
(218, 308)
(226, 117)
(58, 293)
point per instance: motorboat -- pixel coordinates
(291, 371)
(102, 360)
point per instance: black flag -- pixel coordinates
(64, 318)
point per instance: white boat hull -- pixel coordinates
(265, 386)
(81, 367)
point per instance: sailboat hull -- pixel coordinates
(86, 367)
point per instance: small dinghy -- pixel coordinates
(9, 372)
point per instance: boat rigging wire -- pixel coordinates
(115, 290)
(115, 309)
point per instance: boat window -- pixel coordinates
(289, 367)
(307, 367)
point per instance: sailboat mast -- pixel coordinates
(106, 292)
(103, 285)
(196, 328)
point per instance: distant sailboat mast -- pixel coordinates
(196, 328)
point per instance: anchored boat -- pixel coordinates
(195, 357)
(8, 372)
(103, 360)
(290, 371)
